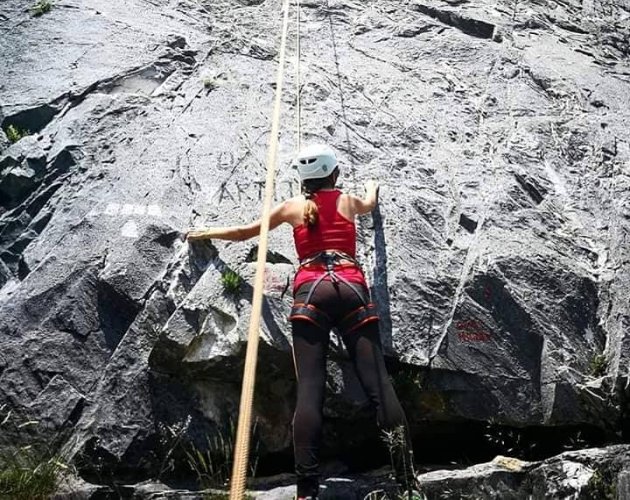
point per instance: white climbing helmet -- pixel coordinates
(315, 162)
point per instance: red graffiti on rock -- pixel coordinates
(273, 282)
(472, 330)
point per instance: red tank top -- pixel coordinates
(332, 232)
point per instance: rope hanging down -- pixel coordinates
(241, 449)
(298, 90)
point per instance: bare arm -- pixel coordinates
(239, 233)
(365, 205)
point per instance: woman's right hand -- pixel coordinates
(372, 186)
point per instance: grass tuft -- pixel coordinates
(15, 133)
(29, 472)
(41, 8)
(510, 441)
(598, 365)
(399, 451)
(213, 466)
(231, 282)
(383, 495)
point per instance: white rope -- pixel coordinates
(298, 104)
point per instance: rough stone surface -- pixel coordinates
(499, 254)
(582, 475)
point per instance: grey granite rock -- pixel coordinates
(498, 255)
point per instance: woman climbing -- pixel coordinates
(329, 291)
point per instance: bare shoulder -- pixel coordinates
(348, 200)
(352, 206)
(347, 205)
(298, 198)
(294, 209)
(296, 201)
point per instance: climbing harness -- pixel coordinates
(308, 312)
(241, 449)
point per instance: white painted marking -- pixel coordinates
(127, 209)
(130, 230)
(154, 210)
(112, 209)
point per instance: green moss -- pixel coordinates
(41, 8)
(601, 486)
(231, 282)
(598, 365)
(15, 133)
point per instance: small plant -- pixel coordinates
(510, 441)
(41, 8)
(231, 282)
(597, 366)
(376, 495)
(383, 495)
(601, 486)
(15, 133)
(213, 466)
(575, 442)
(407, 381)
(401, 458)
(29, 472)
(170, 439)
(26, 473)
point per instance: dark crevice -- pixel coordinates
(472, 27)
(33, 119)
(29, 175)
(167, 239)
(19, 182)
(272, 257)
(116, 312)
(5, 276)
(468, 223)
(535, 192)
(23, 270)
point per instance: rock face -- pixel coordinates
(498, 255)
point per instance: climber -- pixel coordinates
(329, 291)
